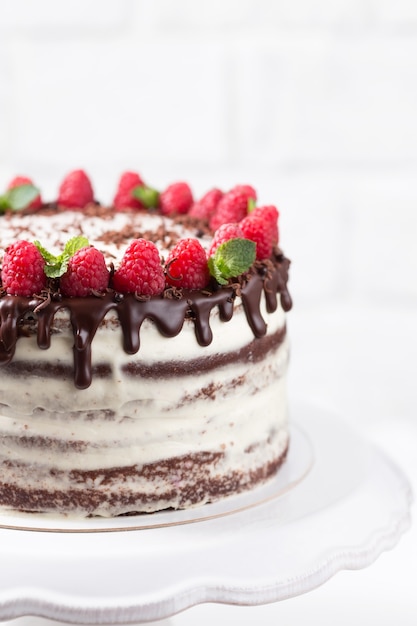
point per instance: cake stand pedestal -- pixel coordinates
(338, 505)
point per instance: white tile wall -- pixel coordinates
(314, 103)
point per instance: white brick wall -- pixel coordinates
(325, 100)
(58, 19)
(127, 101)
(314, 103)
(4, 101)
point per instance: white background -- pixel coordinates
(313, 103)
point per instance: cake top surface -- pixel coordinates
(148, 254)
(108, 230)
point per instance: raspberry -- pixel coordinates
(123, 198)
(176, 199)
(224, 233)
(86, 273)
(248, 190)
(206, 206)
(233, 207)
(270, 214)
(186, 265)
(140, 270)
(23, 273)
(75, 190)
(258, 230)
(24, 180)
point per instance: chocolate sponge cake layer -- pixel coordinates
(177, 483)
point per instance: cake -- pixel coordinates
(118, 399)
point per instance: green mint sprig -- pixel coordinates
(56, 266)
(147, 196)
(18, 198)
(251, 205)
(231, 259)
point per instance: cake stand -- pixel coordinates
(338, 504)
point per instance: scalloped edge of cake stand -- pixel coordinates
(341, 515)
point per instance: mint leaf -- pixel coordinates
(55, 270)
(251, 205)
(47, 256)
(147, 196)
(20, 197)
(231, 259)
(56, 266)
(52, 263)
(4, 205)
(74, 244)
(71, 247)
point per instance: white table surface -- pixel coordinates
(358, 361)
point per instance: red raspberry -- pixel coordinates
(22, 273)
(140, 270)
(206, 206)
(24, 180)
(186, 265)
(270, 214)
(258, 230)
(75, 190)
(86, 273)
(123, 198)
(224, 233)
(233, 207)
(248, 190)
(176, 199)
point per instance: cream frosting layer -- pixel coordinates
(57, 439)
(229, 407)
(118, 391)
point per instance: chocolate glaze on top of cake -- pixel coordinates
(86, 314)
(168, 312)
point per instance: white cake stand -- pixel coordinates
(338, 504)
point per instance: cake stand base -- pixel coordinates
(340, 506)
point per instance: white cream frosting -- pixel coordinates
(123, 420)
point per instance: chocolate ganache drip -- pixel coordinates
(168, 315)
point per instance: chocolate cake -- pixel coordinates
(127, 400)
